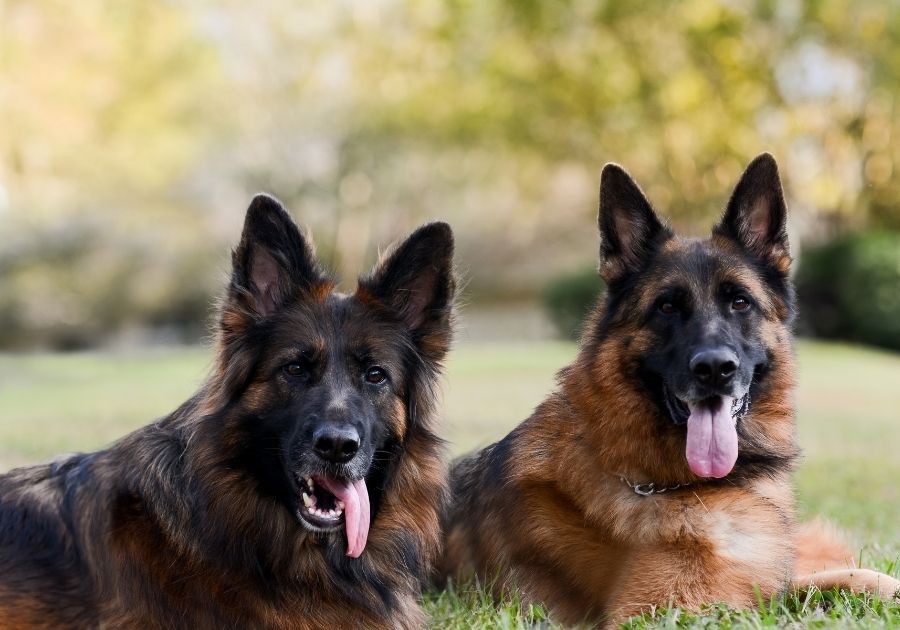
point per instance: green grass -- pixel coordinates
(849, 427)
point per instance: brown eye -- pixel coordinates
(667, 308)
(294, 369)
(740, 303)
(375, 376)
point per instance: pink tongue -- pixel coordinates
(712, 444)
(355, 496)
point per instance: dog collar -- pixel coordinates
(649, 489)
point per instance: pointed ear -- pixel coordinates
(273, 260)
(756, 216)
(415, 280)
(630, 231)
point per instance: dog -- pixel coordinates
(299, 488)
(660, 470)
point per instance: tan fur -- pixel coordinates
(825, 562)
(857, 580)
(545, 511)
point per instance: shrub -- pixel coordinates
(78, 289)
(568, 298)
(850, 289)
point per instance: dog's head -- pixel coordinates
(320, 386)
(702, 316)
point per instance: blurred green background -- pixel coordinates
(133, 134)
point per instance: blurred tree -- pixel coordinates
(103, 102)
(103, 116)
(683, 94)
(147, 125)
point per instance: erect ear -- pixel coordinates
(415, 280)
(273, 261)
(756, 217)
(630, 231)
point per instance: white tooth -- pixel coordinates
(309, 483)
(308, 501)
(339, 504)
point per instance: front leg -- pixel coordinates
(856, 580)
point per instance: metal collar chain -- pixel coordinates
(649, 489)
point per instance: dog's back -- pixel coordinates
(73, 552)
(45, 580)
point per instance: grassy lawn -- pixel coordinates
(849, 426)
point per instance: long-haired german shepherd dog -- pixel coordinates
(299, 488)
(660, 470)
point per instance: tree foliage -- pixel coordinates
(144, 127)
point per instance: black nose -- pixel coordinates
(337, 444)
(715, 367)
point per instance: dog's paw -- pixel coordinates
(888, 587)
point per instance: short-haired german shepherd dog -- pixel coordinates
(299, 488)
(660, 470)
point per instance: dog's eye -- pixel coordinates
(740, 303)
(295, 370)
(375, 376)
(667, 308)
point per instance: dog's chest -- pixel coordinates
(738, 541)
(753, 529)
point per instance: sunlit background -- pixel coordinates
(134, 132)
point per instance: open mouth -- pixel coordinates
(711, 446)
(319, 508)
(327, 503)
(678, 409)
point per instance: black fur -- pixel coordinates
(196, 520)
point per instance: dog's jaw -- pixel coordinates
(329, 504)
